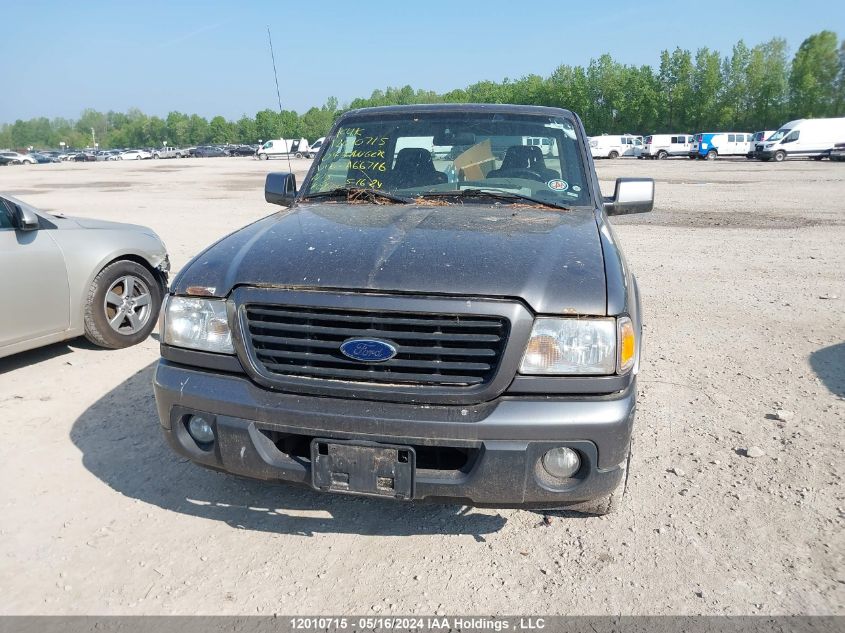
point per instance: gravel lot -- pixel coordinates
(742, 269)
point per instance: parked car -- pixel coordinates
(85, 157)
(135, 154)
(241, 150)
(838, 152)
(607, 146)
(169, 152)
(756, 139)
(44, 158)
(16, 158)
(208, 151)
(74, 277)
(278, 148)
(711, 145)
(803, 138)
(662, 146)
(400, 334)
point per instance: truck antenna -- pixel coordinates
(278, 94)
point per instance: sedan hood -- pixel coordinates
(87, 223)
(550, 259)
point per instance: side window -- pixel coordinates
(792, 136)
(731, 138)
(5, 218)
(673, 140)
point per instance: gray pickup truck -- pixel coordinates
(418, 323)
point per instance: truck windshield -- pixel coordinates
(778, 135)
(418, 154)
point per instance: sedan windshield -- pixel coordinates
(439, 155)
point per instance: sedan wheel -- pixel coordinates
(122, 305)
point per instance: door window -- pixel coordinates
(5, 218)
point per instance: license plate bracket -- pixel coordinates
(363, 468)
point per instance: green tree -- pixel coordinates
(178, 128)
(220, 130)
(815, 69)
(707, 89)
(197, 130)
(767, 76)
(267, 125)
(245, 130)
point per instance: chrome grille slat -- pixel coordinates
(432, 349)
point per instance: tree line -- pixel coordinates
(750, 89)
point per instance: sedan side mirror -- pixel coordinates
(25, 220)
(280, 188)
(632, 195)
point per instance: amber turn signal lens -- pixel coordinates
(542, 352)
(627, 345)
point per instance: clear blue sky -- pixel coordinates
(58, 57)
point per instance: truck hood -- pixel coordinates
(552, 260)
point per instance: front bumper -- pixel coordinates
(500, 442)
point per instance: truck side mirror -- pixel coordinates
(280, 188)
(632, 195)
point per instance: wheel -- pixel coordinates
(297, 155)
(661, 155)
(122, 305)
(262, 157)
(780, 156)
(711, 155)
(155, 156)
(614, 154)
(817, 157)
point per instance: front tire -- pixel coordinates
(711, 155)
(262, 157)
(122, 305)
(613, 155)
(780, 156)
(662, 155)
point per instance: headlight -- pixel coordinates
(201, 324)
(565, 347)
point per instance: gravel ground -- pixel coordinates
(741, 269)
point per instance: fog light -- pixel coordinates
(561, 462)
(200, 429)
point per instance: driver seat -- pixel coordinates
(524, 157)
(415, 168)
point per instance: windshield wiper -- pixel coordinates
(358, 193)
(490, 193)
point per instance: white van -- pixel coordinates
(283, 147)
(665, 145)
(758, 137)
(315, 147)
(607, 146)
(711, 145)
(804, 138)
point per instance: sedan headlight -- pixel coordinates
(201, 324)
(566, 347)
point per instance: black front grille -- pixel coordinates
(432, 349)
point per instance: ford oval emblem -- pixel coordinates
(368, 350)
